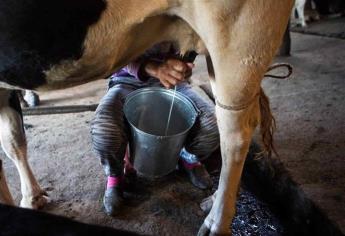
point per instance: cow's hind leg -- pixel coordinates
(236, 129)
(13, 142)
(241, 38)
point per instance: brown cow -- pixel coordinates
(56, 44)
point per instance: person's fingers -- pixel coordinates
(165, 84)
(174, 71)
(190, 65)
(177, 65)
(177, 75)
(166, 79)
(170, 75)
(171, 80)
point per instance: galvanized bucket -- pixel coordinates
(152, 152)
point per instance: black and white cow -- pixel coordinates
(52, 44)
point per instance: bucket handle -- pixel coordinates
(198, 112)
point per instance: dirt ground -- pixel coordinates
(310, 114)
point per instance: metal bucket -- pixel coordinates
(153, 153)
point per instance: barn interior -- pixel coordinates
(299, 192)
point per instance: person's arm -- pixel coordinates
(135, 68)
(160, 64)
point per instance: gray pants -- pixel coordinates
(110, 131)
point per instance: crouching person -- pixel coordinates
(158, 66)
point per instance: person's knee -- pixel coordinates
(204, 139)
(98, 139)
(106, 133)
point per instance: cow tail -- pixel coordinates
(267, 125)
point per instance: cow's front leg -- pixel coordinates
(13, 142)
(5, 195)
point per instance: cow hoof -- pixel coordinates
(206, 204)
(35, 202)
(205, 231)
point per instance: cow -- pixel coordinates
(28, 98)
(20, 221)
(55, 44)
(299, 8)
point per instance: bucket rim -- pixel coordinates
(169, 91)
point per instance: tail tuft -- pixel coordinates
(267, 125)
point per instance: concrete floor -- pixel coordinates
(309, 109)
(310, 115)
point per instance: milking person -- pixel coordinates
(158, 66)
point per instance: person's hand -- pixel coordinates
(170, 72)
